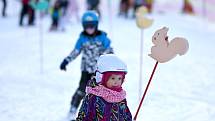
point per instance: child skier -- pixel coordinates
(106, 100)
(93, 43)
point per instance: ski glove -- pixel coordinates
(63, 65)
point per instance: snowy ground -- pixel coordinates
(181, 90)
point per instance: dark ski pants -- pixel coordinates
(80, 92)
(55, 21)
(27, 10)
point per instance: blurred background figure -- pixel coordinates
(63, 6)
(148, 4)
(69, 7)
(27, 9)
(187, 7)
(56, 13)
(94, 5)
(4, 8)
(73, 9)
(63, 18)
(137, 4)
(123, 8)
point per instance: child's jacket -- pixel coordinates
(100, 108)
(91, 47)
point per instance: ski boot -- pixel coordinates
(72, 113)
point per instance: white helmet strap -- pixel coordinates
(98, 76)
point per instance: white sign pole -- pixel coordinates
(41, 43)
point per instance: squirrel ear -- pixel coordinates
(165, 28)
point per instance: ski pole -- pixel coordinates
(135, 117)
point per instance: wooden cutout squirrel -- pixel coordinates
(163, 49)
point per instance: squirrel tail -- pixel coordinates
(179, 45)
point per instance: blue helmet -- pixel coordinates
(90, 19)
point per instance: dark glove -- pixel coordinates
(63, 65)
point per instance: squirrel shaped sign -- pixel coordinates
(165, 50)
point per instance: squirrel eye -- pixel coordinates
(158, 33)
